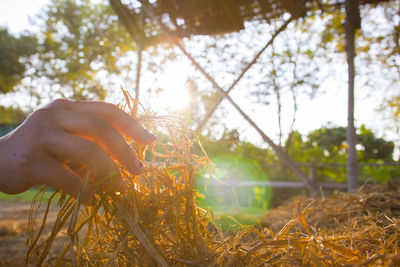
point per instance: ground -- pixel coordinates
(13, 226)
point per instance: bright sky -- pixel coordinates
(330, 107)
(15, 14)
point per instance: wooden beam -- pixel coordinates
(219, 100)
(273, 184)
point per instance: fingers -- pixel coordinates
(100, 131)
(90, 132)
(59, 176)
(77, 149)
(117, 118)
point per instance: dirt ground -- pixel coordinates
(13, 225)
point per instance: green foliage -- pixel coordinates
(12, 50)
(326, 148)
(10, 118)
(80, 45)
(379, 43)
(26, 196)
(11, 115)
(374, 148)
(394, 104)
(393, 108)
(231, 144)
(332, 141)
(236, 160)
(327, 145)
(236, 219)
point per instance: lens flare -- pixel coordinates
(241, 189)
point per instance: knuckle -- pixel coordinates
(38, 125)
(59, 103)
(101, 126)
(113, 108)
(40, 114)
(110, 106)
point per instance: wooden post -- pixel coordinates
(138, 69)
(312, 173)
(351, 25)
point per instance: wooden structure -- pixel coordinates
(208, 17)
(151, 22)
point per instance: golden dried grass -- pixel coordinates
(156, 221)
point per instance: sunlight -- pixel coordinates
(174, 95)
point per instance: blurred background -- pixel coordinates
(268, 85)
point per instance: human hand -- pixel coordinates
(62, 132)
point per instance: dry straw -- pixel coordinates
(156, 221)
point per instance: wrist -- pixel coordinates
(10, 178)
(3, 163)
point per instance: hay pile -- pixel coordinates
(364, 226)
(360, 229)
(156, 222)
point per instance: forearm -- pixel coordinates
(3, 171)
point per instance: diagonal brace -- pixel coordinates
(219, 100)
(283, 156)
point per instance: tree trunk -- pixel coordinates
(352, 23)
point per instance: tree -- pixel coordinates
(328, 145)
(12, 51)
(393, 105)
(10, 118)
(331, 139)
(290, 71)
(376, 45)
(11, 115)
(80, 47)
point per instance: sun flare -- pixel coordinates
(174, 95)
